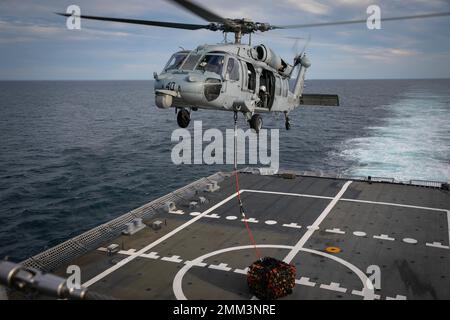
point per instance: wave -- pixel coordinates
(414, 143)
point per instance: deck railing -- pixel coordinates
(65, 252)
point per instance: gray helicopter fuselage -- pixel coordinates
(225, 77)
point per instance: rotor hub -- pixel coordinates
(239, 27)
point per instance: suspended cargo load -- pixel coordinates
(269, 278)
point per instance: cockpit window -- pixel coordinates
(191, 62)
(211, 63)
(176, 61)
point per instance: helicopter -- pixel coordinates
(234, 77)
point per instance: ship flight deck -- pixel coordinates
(349, 239)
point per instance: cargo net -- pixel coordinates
(269, 278)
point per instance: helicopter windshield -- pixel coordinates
(176, 61)
(211, 63)
(190, 62)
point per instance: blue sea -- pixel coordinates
(75, 154)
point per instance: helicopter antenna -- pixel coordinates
(305, 45)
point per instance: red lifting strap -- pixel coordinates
(241, 207)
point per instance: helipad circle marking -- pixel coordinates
(271, 222)
(231, 218)
(195, 214)
(333, 249)
(359, 234)
(410, 240)
(368, 289)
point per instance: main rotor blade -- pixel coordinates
(200, 11)
(277, 36)
(144, 22)
(323, 24)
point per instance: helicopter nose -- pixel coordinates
(163, 100)
(185, 88)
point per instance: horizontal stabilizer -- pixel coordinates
(319, 100)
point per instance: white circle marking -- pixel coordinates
(178, 279)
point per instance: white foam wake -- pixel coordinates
(413, 144)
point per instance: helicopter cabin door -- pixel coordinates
(233, 78)
(267, 89)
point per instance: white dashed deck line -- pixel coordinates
(394, 204)
(241, 271)
(252, 220)
(334, 286)
(231, 218)
(175, 259)
(288, 194)
(195, 264)
(313, 228)
(180, 212)
(194, 214)
(409, 240)
(436, 245)
(292, 225)
(363, 293)
(128, 252)
(397, 297)
(448, 227)
(151, 255)
(155, 243)
(384, 237)
(304, 281)
(350, 200)
(381, 237)
(271, 222)
(221, 266)
(213, 215)
(295, 250)
(360, 233)
(335, 230)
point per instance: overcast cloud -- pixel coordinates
(35, 44)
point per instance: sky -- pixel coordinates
(36, 45)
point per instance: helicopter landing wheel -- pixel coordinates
(183, 118)
(256, 122)
(288, 124)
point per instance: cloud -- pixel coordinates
(374, 53)
(354, 3)
(21, 31)
(34, 40)
(311, 6)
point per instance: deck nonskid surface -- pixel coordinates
(203, 252)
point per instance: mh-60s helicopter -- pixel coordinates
(234, 77)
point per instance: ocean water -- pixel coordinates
(75, 154)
